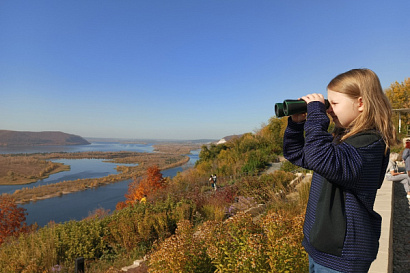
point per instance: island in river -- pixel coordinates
(39, 165)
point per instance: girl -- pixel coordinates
(393, 174)
(341, 229)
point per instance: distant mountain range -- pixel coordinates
(21, 138)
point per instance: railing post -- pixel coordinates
(79, 265)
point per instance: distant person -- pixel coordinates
(214, 179)
(393, 174)
(406, 156)
(144, 199)
(341, 229)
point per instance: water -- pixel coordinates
(93, 147)
(79, 169)
(78, 205)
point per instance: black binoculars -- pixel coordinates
(292, 107)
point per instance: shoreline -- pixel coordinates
(25, 195)
(57, 194)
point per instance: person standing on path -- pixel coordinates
(211, 180)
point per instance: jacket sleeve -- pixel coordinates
(293, 142)
(338, 163)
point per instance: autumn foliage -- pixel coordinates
(140, 188)
(11, 218)
(399, 97)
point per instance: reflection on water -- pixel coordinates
(76, 206)
(93, 147)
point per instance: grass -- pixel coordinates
(27, 169)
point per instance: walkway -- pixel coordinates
(384, 206)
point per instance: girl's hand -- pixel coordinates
(307, 98)
(314, 97)
(298, 117)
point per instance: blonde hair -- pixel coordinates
(377, 110)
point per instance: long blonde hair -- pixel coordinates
(377, 110)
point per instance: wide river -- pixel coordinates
(78, 205)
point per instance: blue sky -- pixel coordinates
(184, 69)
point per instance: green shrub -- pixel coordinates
(287, 166)
(303, 190)
(33, 252)
(213, 212)
(284, 234)
(185, 251)
(80, 239)
(237, 245)
(266, 187)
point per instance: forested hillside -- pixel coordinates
(22, 138)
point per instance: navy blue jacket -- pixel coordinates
(341, 229)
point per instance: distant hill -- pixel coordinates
(21, 138)
(227, 138)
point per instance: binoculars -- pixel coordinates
(291, 107)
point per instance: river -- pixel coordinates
(78, 205)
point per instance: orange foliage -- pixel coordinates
(138, 189)
(11, 218)
(120, 205)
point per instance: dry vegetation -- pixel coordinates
(17, 170)
(176, 148)
(24, 169)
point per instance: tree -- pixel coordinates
(399, 94)
(399, 97)
(12, 218)
(146, 186)
(273, 133)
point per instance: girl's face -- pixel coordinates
(343, 109)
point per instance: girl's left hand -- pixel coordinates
(314, 97)
(298, 117)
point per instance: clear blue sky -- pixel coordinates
(184, 69)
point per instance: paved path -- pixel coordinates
(383, 206)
